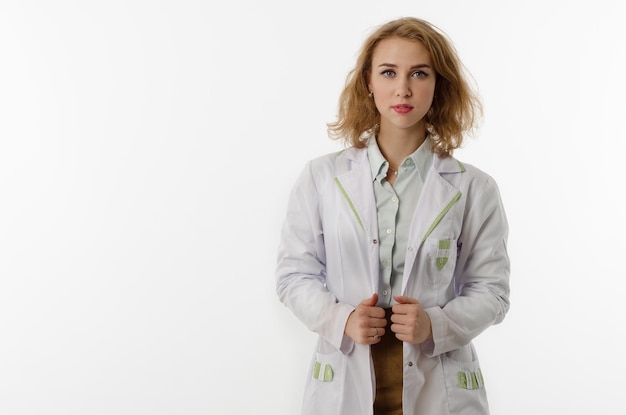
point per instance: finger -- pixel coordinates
(372, 310)
(404, 333)
(378, 332)
(377, 313)
(402, 299)
(397, 318)
(378, 322)
(401, 328)
(406, 315)
(397, 329)
(406, 305)
(371, 301)
(403, 337)
(373, 340)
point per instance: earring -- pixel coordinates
(371, 94)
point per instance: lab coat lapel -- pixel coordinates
(354, 180)
(438, 196)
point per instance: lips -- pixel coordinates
(402, 108)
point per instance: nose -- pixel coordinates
(403, 89)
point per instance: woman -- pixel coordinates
(392, 251)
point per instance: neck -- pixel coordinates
(396, 146)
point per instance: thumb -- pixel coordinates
(402, 299)
(371, 301)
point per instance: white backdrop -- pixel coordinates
(147, 149)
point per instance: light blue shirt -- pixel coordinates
(395, 206)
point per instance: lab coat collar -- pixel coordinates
(448, 165)
(358, 156)
(422, 158)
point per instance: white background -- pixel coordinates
(147, 149)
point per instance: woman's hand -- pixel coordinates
(366, 323)
(409, 321)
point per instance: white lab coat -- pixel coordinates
(456, 266)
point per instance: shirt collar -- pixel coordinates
(422, 157)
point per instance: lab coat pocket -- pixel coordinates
(441, 257)
(325, 384)
(465, 384)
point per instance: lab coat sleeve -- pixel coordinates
(481, 277)
(301, 268)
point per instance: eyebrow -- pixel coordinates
(391, 65)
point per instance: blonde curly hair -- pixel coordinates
(455, 109)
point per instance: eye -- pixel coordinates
(388, 73)
(419, 74)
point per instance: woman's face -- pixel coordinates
(403, 82)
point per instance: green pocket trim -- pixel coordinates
(442, 253)
(441, 262)
(323, 372)
(328, 373)
(316, 370)
(470, 380)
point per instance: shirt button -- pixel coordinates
(389, 231)
(385, 292)
(375, 241)
(410, 249)
(410, 363)
(394, 199)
